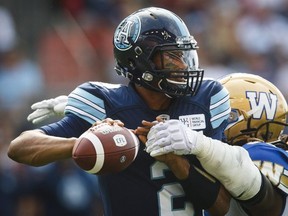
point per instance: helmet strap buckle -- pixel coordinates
(147, 76)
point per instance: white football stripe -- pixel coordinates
(99, 151)
(136, 143)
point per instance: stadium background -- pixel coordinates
(49, 47)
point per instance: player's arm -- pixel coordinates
(205, 192)
(39, 148)
(36, 148)
(231, 165)
(50, 143)
(202, 189)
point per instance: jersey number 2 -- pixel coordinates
(169, 192)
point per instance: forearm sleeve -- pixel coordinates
(231, 165)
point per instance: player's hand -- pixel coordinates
(109, 121)
(143, 130)
(47, 108)
(171, 136)
(177, 164)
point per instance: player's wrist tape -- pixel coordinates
(200, 188)
(259, 196)
(232, 166)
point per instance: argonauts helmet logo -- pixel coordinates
(127, 33)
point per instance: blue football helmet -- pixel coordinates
(154, 49)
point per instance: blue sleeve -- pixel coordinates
(272, 162)
(69, 126)
(85, 102)
(267, 152)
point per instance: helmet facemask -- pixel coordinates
(174, 68)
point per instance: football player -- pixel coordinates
(154, 49)
(268, 158)
(258, 116)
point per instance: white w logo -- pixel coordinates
(264, 102)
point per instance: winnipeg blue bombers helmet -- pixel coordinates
(154, 49)
(259, 109)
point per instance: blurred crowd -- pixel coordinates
(49, 47)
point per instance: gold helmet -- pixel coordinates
(258, 109)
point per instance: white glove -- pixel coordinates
(47, 108)
(172, 136)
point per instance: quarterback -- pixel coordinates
(244, 129)
(155, 51)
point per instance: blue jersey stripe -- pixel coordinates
(220, 108)
(86, 106)
(73, 98)
(91, 110)
(218, 97)
(84, 115)
(220, 118)
(88, 98)
(219, 102)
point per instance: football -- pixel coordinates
(105, 149)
